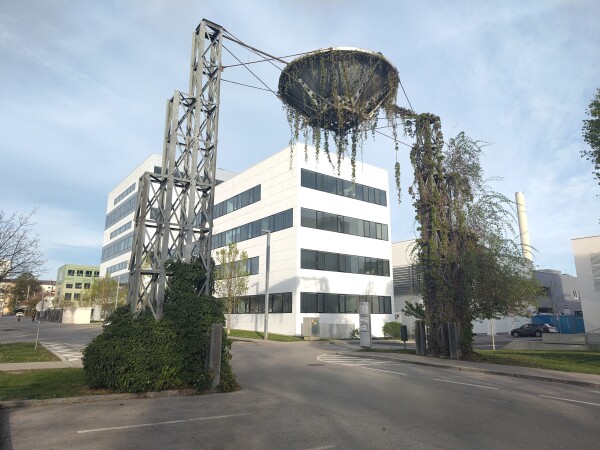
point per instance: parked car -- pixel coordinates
(549, 328)
(19, 314)
(528, 330)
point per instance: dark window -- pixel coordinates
(330, 303)
(254, 304)
(77, 285)
(79, 273)
(342, 224)
(345, 188)
(68, 296)
(69, 286)
(86, 285)
(338, 262)
(71, 273)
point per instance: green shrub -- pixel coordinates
(392, 329)
(141, 354)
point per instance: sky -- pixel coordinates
(83, 88)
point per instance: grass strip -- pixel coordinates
(43, 383)
(21, 352)
(259, 335)
(565, 361)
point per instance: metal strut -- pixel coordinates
(173, 219)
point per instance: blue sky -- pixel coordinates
(84, 85)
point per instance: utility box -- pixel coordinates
(311, 330)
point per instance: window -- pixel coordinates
(339, 262)
(279, 303)
(345, 188)
(69, 286)
(236, 202)
(120, 230)
(121, 211)
(124, 194)
(118, 247)
(71, 272)
(276, 222)
(76, 296)
(79, 273)
(342, 224)
(86, 285)
(328, 303)
(575, 294)
(77, 285)
(88, 273)
(68, 296)
(96, 273)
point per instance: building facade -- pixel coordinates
(330, 242)
(586, 252)
(72, 281)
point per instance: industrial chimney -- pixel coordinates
(523, 227)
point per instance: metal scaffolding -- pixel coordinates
(173, 219)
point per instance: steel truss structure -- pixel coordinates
(173, 219)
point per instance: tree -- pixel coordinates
(19, 247)
(24, 289)
(231, 278)
(591, 134)
(104, 291)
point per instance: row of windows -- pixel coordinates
(115, 268)
(314, 302)
(116, 248)
(276, 222)
(255, 304)
(345, 188)
(125, 193)
(121, 211)
(343, 224)
(339, 262)
(78, 286)
(76, 296)
(251, 266)
(121, 229)
(80, 273)
(236, 202)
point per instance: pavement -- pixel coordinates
(343, 347)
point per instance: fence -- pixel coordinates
(565, 324)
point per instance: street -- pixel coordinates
(318, 395)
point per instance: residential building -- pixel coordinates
(586, 252)
(330, 242)
(117, 240)
(72, 280)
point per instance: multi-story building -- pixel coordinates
(72, 280)
(586, 252)
(561, 292)
(330, 242)
(117, 240)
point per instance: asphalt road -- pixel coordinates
(308, 395)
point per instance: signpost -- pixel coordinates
(364, 309)
(41, 307)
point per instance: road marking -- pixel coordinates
(349, 360)
(125, 427)
(381, 370)
(569, 400)
(466, 384)
(322, 448)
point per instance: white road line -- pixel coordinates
(125, 427)
(569, 400)
(466, 384)
(380, 370)
(322, 448)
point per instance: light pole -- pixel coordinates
(268, 267)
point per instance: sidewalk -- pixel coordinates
(554, 376)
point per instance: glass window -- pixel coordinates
(71, 273)
(79, 273)
(88, 273)
(309, 218)
(86, 285)
(77, 285)
(76, 296)
(69, 286)
(68, 296)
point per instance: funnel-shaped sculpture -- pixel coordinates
(339, 89)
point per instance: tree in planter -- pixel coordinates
(231, 278)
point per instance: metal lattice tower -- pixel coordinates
(173, 220)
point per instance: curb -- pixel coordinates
(8, 404)
(488, 371)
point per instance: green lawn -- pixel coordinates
(582, 362)
(44, 383)
(19, 352)
(258, 335)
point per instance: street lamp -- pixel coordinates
(268, 266)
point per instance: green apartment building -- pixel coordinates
(72, 280)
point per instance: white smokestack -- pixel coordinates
(523, 227)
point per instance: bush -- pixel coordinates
(141, 354)
(392, 329)
(355, 333)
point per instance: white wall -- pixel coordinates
(584, 250)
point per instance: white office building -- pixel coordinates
(586, 251)
(330, 240)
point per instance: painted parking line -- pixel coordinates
(466, 384)
(569, 400)
(169, 422)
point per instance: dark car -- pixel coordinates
(529, 330)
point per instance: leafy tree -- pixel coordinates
(591, 134)
(416, 310)
(25, 289)
(19, 247)
(231, 278)
(104, 291)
